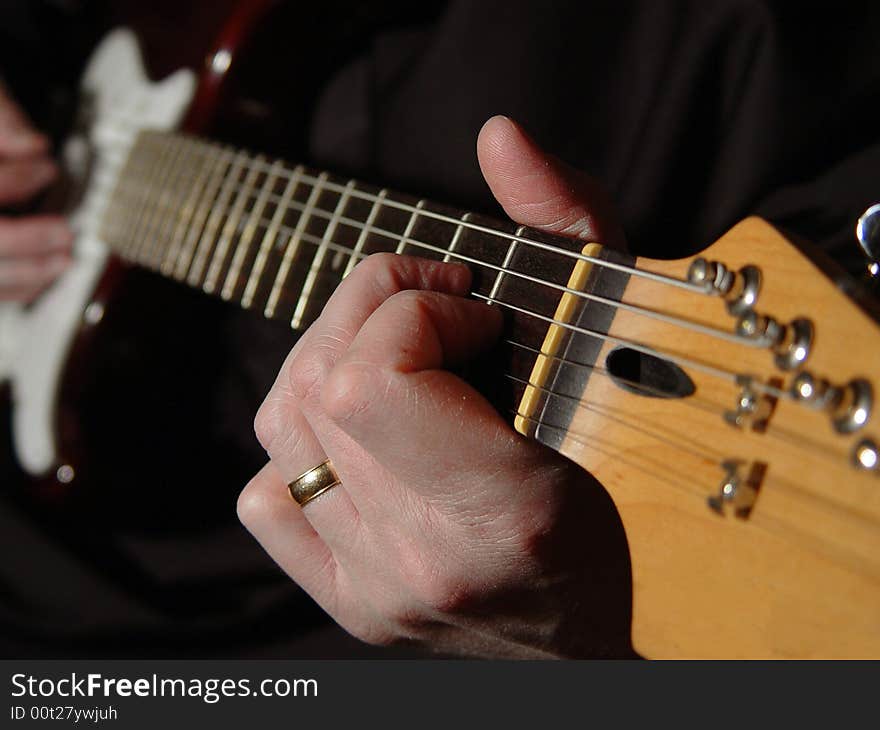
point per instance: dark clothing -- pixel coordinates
(693, 114)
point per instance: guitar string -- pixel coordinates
(635, 424)
(689, 401)
(796, 440)
(764, 388)
(756, 518)
(665, 435)
(770, 390)
(313, 180)
(588, 296)
(526, 312)
(502, 303)
(679, 360)
(347, 251)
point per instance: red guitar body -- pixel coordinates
(131, 380)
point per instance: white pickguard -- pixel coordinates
(34, 342)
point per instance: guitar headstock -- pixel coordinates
(815, 363)
(737, 434)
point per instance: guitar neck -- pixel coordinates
(278, 238)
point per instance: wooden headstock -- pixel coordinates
(753, 529)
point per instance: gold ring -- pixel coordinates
(315, 481)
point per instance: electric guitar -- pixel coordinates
(725, 401)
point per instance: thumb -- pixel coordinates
(538, 190)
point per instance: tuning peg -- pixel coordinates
(868, 235)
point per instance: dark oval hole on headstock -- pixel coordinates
(648, 375)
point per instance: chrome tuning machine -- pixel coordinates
(738, 490)
(738, 288)
(848, 405)
(868, 236)
(866, 456)
(791, 343)
(753, 409)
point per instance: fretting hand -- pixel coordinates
(34, 249)
(448, 528)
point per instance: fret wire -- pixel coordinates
(292, 248)
(138, 195)
(705, 329)
(466, 259)
(504, 265)
(152, 241)
(218, 211)
(684, 362)
(411, 223)
(247, 236)
(228, 231)
(502, 303)
(582, 295)
(639, 347)
(222, 159)
(141, 197)
(453, 244)
(604, 263)
(111, 182)
(182, 180)
(269, 238)
(365, 230)
(184, 218)
(111, 227)
(654, 276)
(468, 225)
(128, 201)
(318, 261)
(164, 160)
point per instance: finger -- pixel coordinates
(31, 272)
(536, 189)
(294, 449)
(34, 235)
(372, 282)
(415, 331)
(21, 179)
(389, 376)
(266, 510)
(23, 294)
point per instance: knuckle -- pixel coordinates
(413, 312)
(443, 592)
(385, 272)
(433, 584)
(252, 505)
(371, 632)
(349, 391)
(270, 425)
(378, 266)
(412, 304)
(308, 373)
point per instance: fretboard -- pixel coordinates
(278, 238)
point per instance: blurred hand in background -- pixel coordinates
(34, 249)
